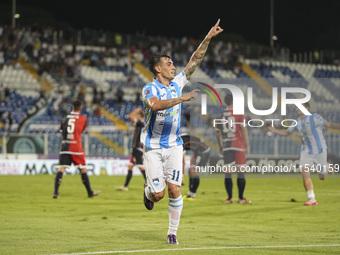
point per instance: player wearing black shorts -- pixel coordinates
(200, 158)
(71, 149)
(136, 159)
(232, 138)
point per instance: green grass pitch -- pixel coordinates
(31, 222)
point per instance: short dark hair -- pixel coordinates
(307, 105)
(228, 99)
(156, 60)
(77, 104)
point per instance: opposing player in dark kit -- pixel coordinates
(200, 158)
(71, 149)
(232, 138)
(136, 159)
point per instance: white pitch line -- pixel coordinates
(201, 248)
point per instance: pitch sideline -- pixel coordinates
(200, 248)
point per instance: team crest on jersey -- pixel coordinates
(155, 182)
(173, 92)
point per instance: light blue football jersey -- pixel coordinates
(310, 131)
(162, 129)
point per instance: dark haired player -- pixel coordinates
(200, 158)
(163, 151)
(313, 149)
(136, 159)
(71, 149)
(232, 138)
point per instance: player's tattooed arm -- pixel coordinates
(198, 55)
(170, 102)
(158, 105)
(196, 58)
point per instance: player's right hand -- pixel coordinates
(194, 94)
(215, 30)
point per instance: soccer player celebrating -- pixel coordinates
(71, 151)
(232, 138)
(313, 149)
(136, 159)
(163, 150)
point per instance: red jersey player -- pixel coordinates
(71, 149)
(233, 141)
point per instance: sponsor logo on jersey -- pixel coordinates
(167, 114)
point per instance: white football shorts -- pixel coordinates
(317, 161)
(163, 165)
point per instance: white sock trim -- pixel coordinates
(147, 193)
(310, 194)
(176, 202)
(174, 210)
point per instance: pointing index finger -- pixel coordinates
(217, 23)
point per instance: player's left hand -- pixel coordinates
(271, 129)
(215, 30)
(247, 149)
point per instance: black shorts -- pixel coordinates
(202, 160)
(66, 160)
(136, 157)
(234, 157)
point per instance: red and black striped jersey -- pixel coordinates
(231, 132)
(72, 126)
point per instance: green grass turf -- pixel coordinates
(31, 222)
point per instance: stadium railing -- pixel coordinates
(120, 144)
